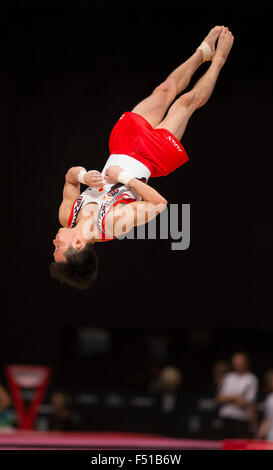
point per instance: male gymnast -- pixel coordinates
(143, 144)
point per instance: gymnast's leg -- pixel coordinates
(154, 107)
(182, 109)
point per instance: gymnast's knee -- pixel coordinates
(169, 86)
(188, 100)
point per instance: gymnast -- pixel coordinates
(144, 143)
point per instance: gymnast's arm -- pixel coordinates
(122, 218)
(147, 193)
(71, 191)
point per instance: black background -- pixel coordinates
(73, 69)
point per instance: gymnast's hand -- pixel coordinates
(93, 178)
(112, 172)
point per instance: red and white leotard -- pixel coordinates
(140, 150)
(112, 194)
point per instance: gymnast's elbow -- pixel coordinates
(163, 201)
(161, 204)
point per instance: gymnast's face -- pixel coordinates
(65, 238)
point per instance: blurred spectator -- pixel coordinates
(236, 396)
(62, 419)
(167, 384)
(266, 428)
(169, 379)
(6, 419)
(220, 368)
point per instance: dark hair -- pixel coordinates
(81, 268)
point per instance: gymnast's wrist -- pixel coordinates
(80, 175)
(124, 178)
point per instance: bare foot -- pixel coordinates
(225, 42)
(211, 38)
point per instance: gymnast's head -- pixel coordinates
(75, 259)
